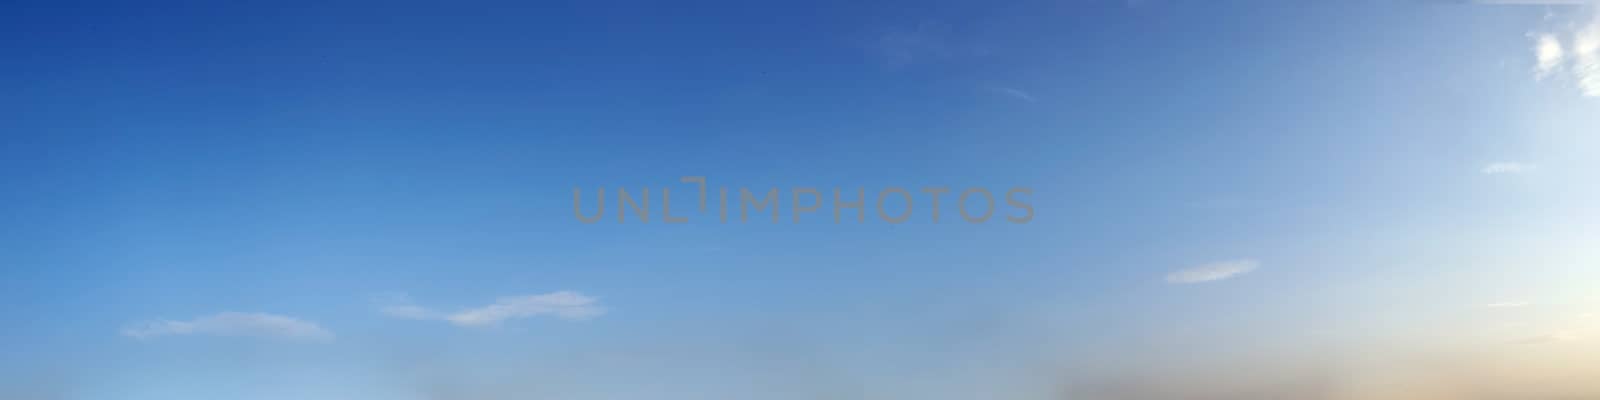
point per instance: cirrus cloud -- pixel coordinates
(1014, 93)
(1571, 53)
(1508, 304)
(1210, 272)
(562, 304)
(231, 324)
(1508, 167)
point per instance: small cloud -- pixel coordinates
(1586, 58)
(1212, 272)
(1011, 92)
(1508, 304)
(1571, 54)
(231, 324)
(1548, 54)
(566, 305)
(907, 46)
(1507, 167)
(399, 305)
(1553, 337)
(928, 42)
(562, 304)
(408, 312)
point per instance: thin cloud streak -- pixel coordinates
(1553, 337)
(1508, 167)
(1212, 272)
(231, 324)
(563, 304)
(927, 41)
(1508, 304)
(1012, 92)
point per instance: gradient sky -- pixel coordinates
(372, 200)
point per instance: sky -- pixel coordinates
(353, 200)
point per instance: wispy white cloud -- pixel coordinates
(562, 304)
(1508, 167)
(1585, 67)
(928, 40)
(1548, 54)
(1571, 53)
(1215, 271)
(231, 324)
(1508, 304)
(1552, 337)
(399, 305)
(1014, 93)
(407, 311)
(567, 305)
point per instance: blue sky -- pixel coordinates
(372, 200)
